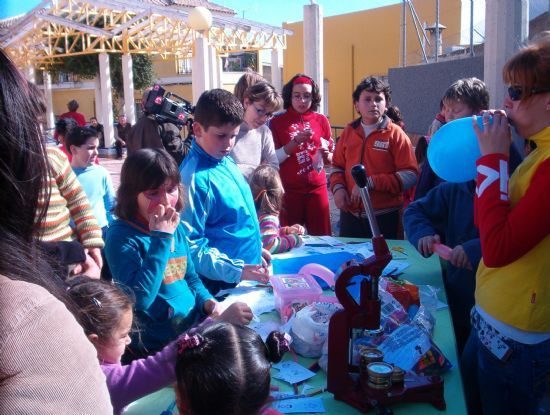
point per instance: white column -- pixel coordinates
(50, 119)
(213, 63)
(276, 76)
(128, 83)
(97, 98)
(219, 71)
(106, 99)
(30, 73)
(313, 45)
(200, 75)
(506, 27)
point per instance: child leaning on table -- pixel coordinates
(225, 369)
(268, 192)
(219, 214)
(147, 250)
(105, 313)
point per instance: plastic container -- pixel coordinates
(295, 291)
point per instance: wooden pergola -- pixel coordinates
(60, 28)
(56, 29)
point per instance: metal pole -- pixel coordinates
(471, 27)
(404, 35)
(436, 29)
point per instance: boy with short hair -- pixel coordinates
(446, 213)
(464, 98)
(386, 152)
(82, 143)
(219, 212)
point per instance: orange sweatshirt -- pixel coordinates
(389, 160)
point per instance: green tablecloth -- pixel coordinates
(422, 271)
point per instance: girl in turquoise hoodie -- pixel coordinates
(147, 250)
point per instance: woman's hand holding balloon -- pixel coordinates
(494, 135)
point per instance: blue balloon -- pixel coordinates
(454, 150)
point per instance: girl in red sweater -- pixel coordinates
(302, 141)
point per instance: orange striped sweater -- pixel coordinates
(68, 206)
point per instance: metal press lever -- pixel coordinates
(359, 175)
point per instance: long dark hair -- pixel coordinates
(145, 169)
(228, 372)
(23, 176)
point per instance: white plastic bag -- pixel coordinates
(309, 328)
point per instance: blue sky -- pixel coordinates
(273, 12)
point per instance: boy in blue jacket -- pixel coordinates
(219, 213)
(448, 209)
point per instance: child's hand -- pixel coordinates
(266, 258)
(237, 313)
(341, 199)
(88, 267)
(255, 273)
(327, 155)
(425, 245)
(459, 259)
(211, 308)
(303, 136)
(355, 195)
(164, 219)
(297, 229)
(95, 253)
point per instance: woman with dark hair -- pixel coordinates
(509, 345)
(302, 142)
(147, 250)
(46, 362)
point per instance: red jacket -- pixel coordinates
(297, 172)
(388, 157)
(78, 117)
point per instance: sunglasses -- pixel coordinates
(516, 92)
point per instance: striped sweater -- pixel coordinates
(277, 239)
(68, 206)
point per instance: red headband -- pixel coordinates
(302, 80)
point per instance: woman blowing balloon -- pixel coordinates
(509, 346)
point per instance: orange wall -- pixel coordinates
(85, 99)
(366, 43)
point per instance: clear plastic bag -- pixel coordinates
(309, 328)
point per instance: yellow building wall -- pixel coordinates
(164, 67)
(84, 97)
(366, 43)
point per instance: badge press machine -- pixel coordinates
(343, 378)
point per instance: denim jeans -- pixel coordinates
(520, 385)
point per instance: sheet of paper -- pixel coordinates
(259, 299)
(363, 248)
(264, 328)
(395, 267)
(300, 405)
(292, 372)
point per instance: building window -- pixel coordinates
(240, 61)
(184, 66)
(67, 77)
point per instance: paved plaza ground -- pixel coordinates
(114, 166)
